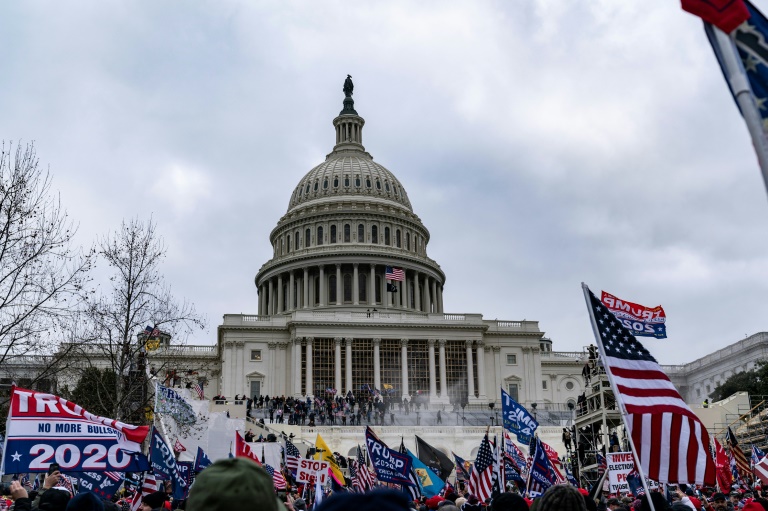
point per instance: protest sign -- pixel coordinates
(619, 465)
(309, 470)
(43, 429)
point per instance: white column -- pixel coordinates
(417, 292)
(322, 286)
(443, 377)
(377, 363)
(404, 295)
(427, 298)
(385, 295)
(310, 384)
(280, 295)
(271, 302)
(470, 372)
(372, 287)
(337, 364)
(497, 367)
(481, 372)
(432, 371)
(348, 344)
(339, 297)
(433, 294)
(440, 299)
(261, 300)
(272, 376)
(296, 347)
(404, 363)
(291, 292)
(355, 285)
(305, 282)
(282, 355)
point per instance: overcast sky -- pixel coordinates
(542, 144)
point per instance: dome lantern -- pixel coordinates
(348, 125)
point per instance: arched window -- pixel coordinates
(398, 241)
(407, 240)
(362, 288)
(374, 234)
(386, 185)
(332, 289)
(319, 240)
(333, 234)
(307, 189)
(346, 181)
(378, 289)
(297, 241)
(387, 240)
(378, 184)
(360, 233)
(347, 234)
(316, 185)
(288, 244)
(336, 182)
(325, 183)
(307, 238)
(357, 181)
(347, 288)
(367, 182)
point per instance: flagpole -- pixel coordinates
(616, 393)
(737, 78)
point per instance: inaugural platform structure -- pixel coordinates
(351, 300)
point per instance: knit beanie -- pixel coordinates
(155, 499)
(85, 502)
(377, 500)
(509, 502)
(562, 497)
(54, 500)
(230, 483)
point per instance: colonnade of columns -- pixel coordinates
(434, 377)
(295, 289)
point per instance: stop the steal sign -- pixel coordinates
(310, 470)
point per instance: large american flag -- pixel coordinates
(199, 390)
(671, 441)
(394, 274)
(292, 456)
(761, 470)
(741, 459)
(481, 478)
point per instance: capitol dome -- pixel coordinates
(349, 221)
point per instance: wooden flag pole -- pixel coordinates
(624, 414)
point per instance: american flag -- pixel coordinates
(757, 455)
(149, 485)
(602, 464)
(671, 441)
(197, 388)
(554, 458)
(761, 470)
(462, 471)
(292, 456)
(414, 489)
(363, 480)
(277, 477)
(67, 483)
(480, 480)
(394, 274)
(516, 455)
(742, 464)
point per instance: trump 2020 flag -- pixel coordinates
(43, 428)
(202, 460)
(517, 420)
(671, 442)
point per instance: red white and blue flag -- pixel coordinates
(277, 477)
(394, 274)
(638, 319)
(481, 478)
(199, 390)
(672, 443)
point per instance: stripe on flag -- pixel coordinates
(481, 478)
(394, 274)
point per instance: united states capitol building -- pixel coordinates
(329, 319)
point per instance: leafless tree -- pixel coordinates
(42, 274)
(137, 296)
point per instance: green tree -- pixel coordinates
(754, 381)
(96, 390)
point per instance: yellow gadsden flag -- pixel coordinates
(325, 454)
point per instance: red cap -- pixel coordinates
(584, 492)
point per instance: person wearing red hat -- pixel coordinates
(434, 502)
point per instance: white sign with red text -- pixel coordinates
(310, 470)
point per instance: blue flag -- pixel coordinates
(542, 474)
(517, 420)
(429, 482)
(103, 484)
(390, 465)
(201, 460)
(164, 465)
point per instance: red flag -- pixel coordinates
(178, 447)
(672, 443)
(724, 14)
(724, 475)
(761, 470)
(243, 450)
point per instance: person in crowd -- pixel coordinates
(233, 484)
(509, 502)
(377, 500)
(562, 497)
(472, 504)
(567, 439)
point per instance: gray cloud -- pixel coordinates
(543, 145)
